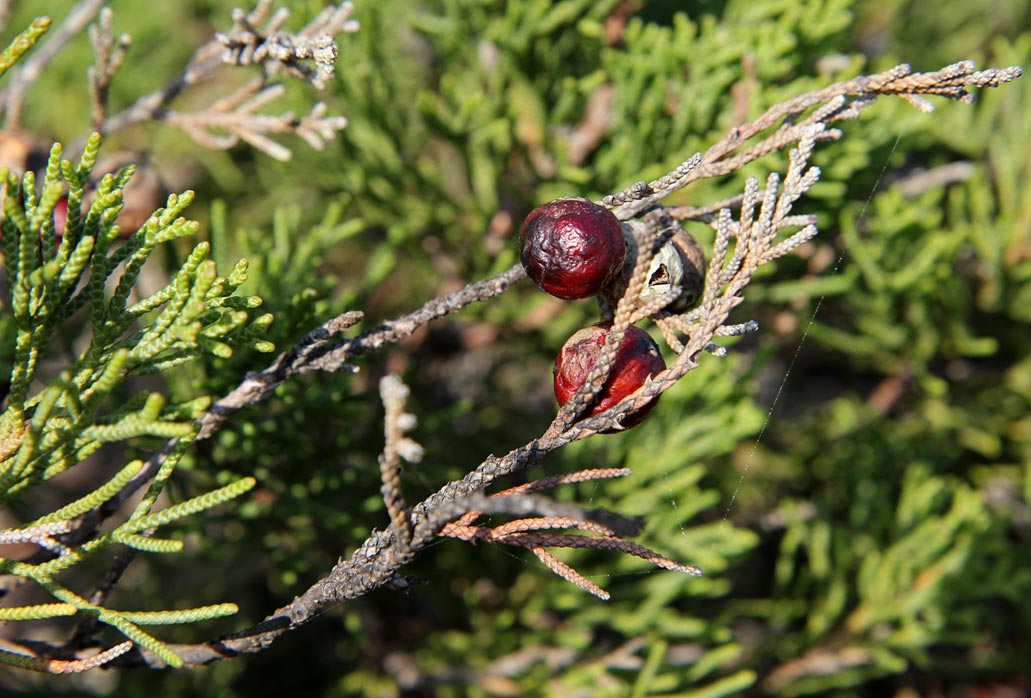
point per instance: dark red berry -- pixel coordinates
(637, 359)
(571, 248)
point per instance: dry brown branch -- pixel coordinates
(110, 53)
(705, 214)
(530, 533)
(833, 105)
(235, 117)
(755, 238)
(396, 421)
(71, 666)
(281, 52)
(569, 574)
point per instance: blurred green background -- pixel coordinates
(854, 481)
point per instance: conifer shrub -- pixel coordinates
(269, 362)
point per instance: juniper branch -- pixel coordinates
(396, 421)
(277, 51)
(377, 561)
(110, 54)
(831, 103)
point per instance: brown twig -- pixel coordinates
(69, 666)
(281, 52)
(396, 421)
(110, 53)
(530, 533)
(951, 81)
(234, 118)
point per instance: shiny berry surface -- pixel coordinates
(571, 248)
(637, 359)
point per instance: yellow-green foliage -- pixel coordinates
(53, 421)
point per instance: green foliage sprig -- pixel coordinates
(22, 43)
(79, 276)
(198, 312)
(125, 534)
(83, 272)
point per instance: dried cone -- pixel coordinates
(571, 248)
(637, 359)
(680, 262)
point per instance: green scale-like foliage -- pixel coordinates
(84, 274)
(197, 312)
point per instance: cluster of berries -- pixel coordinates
(574, 248)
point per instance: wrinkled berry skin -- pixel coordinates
(637, 359)
(571, 248)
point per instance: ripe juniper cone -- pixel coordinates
(637, 359)
(571, 248)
